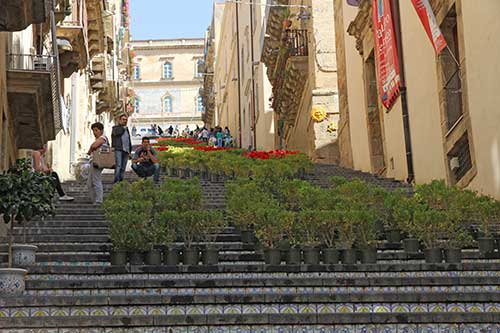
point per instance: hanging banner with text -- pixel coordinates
(386, 54)
(426, 15)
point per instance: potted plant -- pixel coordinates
(270, 227)
(188, 226)
(212, 222)
(24, 195)
(243, 199)
(328, 232)
(167, 219)
(488, 212)
(309, 223)
(366, 232)
(287, 18)
(347, 236)
(404, 213)
(157, 233)
(391, 226)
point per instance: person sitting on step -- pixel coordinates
(40, 165)
(145, 162)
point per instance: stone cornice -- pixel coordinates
(169, 47)
(361, 24)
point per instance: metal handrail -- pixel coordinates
(30, 62)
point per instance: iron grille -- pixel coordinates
(460, 159)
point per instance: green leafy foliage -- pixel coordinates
(25, 194)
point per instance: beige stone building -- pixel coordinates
(299, 52)
(166, 80)
(236, 89)
(60, 76)
(454, 118)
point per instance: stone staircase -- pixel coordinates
(73, 288)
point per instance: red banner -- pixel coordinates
(386, 54)
(426, 15)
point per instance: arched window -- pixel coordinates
(199, 104)
(198, 70)
(137, 72)
(137, 105)
(167, 104)
(167, 70)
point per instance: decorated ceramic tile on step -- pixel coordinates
(40, 312)
(195, 310)
(407, 328)
(450, 328)
(344, 308)
(345, 329)
(270, 308)
(252, 308)
(326, 308)
(288, 308)
(118, 311)
(429, 328)
(213, 309)
(307, 308)
(492, 307)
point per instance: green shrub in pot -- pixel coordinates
(309, 224)
(271, 224)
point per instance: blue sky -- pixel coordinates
(163, 19)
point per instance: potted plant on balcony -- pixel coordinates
(24, 195)
(287, 18)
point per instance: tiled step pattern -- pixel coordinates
(73, 288)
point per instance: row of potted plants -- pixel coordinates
(24, 196)
(146, 221)
(350, 220)
(225, 163)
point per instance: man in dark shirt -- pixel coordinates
(122, 143)
(145, 162)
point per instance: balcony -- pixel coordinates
(289, 74)
(97, 38)
(33, 97)
(17, 15)
(73, 29)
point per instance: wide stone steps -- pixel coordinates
(74, 289)
(268, 321)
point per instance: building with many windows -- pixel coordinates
(166, 79)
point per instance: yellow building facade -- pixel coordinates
(166, 80)
(236, 88)
(452, 105)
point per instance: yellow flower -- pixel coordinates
(318, 113)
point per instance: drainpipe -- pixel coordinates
(239, 71)
(404, 96)
(254, 103)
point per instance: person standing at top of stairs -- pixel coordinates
(121, 141)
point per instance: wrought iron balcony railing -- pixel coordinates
(31, 62)
(296, 43)
(40, 64)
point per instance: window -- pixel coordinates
(459, 159)
(167, 70)
(450, 71)
(167, 104)
(137, 105)
(137, 72)
(199, 104)
(198, 71)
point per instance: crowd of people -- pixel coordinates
(214, 136)
(145, 162)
